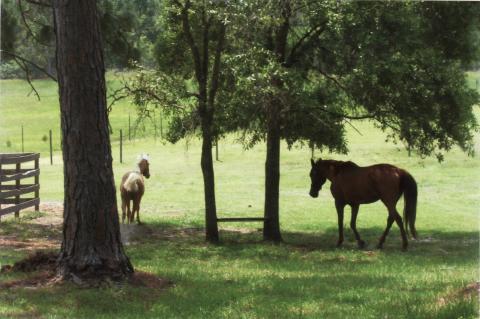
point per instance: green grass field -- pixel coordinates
(305, 277)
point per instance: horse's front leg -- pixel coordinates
(340, 207)
(353, 225)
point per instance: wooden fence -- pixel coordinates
(11, 189)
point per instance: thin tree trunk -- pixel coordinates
(271, 226)
(211, 227)
(91, 246)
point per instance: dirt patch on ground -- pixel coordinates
(54, 214)
(42, 269)
(36, 261)
(39, 231)
(468, 292)
(148, 280)
(28, 244)
(42, 264)
(132, 233)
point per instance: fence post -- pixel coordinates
(17, 185)
(154, 127)
(161, 125)
(51, 149)
(0, 187)
(121, 146)
(22, 141)
(37, 177)
(129, 127)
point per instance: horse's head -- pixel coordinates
(143, 165)
(318, 177)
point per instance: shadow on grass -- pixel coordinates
(305, 276)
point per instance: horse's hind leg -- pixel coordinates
(390, 221)
(392, 211)
(124, 208)
(129, 212)
(136, 208)
(340, 206)
(353, 226)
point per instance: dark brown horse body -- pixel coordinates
(132, 189)
(354, 185)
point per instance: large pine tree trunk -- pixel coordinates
(91, 246)
(271, 226)
(209, 183)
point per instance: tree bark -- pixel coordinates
(211, 226)
(91, 246)
(271, 225)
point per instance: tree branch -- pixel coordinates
(31, 63)
(28, 78)
(29, 30)
(331, 78)
(40, 3)
(347, 116)
(317, 30)
(190, 40)
(282, 34)
(216, 67)
(205, 54)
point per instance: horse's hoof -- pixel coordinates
(361, 244)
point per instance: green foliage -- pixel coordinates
(153, 92)
(384, 61)
(9, 29)
(10, 70)
(27, 32)
(303, 102)
(129, 29)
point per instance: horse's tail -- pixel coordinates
(409, 187)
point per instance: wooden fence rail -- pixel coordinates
(11, 194)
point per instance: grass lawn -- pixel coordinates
(305, 277)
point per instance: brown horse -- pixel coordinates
(132, 188)
(354, 185)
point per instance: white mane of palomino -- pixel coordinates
(139, 159)
(143, 157)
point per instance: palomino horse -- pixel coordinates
(132, 188)
(354, 185)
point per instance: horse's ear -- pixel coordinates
(312, 161)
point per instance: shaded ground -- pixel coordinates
(244, 269)
(39, 236)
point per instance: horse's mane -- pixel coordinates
(339, 165)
